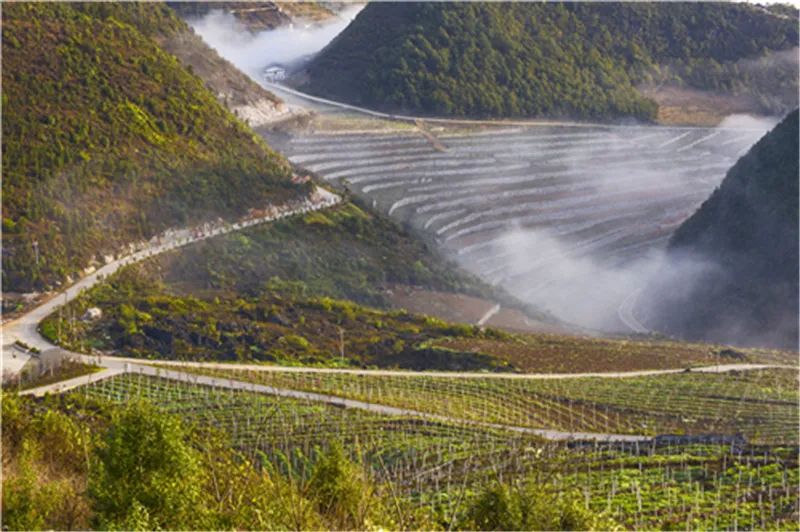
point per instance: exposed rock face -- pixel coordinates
(733, 266)
(243, 96)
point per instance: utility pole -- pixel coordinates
(341, 344)
(36, 251)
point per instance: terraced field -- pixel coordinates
(557, 215)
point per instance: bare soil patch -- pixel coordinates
(684, 106)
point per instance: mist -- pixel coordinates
(251, 52)
(589, 286)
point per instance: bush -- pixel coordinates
(530, 506)
(146, 472)
(342, 494)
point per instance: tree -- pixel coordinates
(146, 473)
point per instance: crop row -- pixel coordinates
(640, 485)
(761, 405)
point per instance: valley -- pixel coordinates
(333, 315)
(573, 213)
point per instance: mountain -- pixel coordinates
(733, 266)
(109, 139)
(579, 60)
(245, 98)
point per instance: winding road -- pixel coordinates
(25, 328)
(276, 87)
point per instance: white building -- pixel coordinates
(274, 73)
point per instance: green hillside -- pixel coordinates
(745, 239)
(581, 60)
(282, 292)
(107, 139)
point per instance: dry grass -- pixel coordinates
(684, 106)
(549, 353)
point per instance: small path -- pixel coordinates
(489, 313)
(232, 384)
(232, 366)
(625, 313)
(67, 385)
(429, 136)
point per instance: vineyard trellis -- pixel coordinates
(642, 485)
(762, 405)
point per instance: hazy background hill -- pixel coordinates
(107, 139)
(742, 247)
(581, 60)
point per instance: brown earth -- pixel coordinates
(460, 308)
(547, 353)
(685, 106)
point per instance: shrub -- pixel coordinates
(146, 472)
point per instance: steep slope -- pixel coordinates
(108, 139)
(244, 97)
(733, 273)
(578, 60)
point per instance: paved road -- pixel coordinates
(25, 328)
(457, 121)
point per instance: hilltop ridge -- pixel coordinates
(577, 60)
(742, 247)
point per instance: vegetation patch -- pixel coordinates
(108, 140)
(282, 325)
(579, 60)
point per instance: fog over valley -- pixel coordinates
(571, 220)
(400, 266)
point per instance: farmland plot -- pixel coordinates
(761, 405)
(559, 216)
(432, 464)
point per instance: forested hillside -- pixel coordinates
(108, 139)
(582, 60)
(735, 260)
